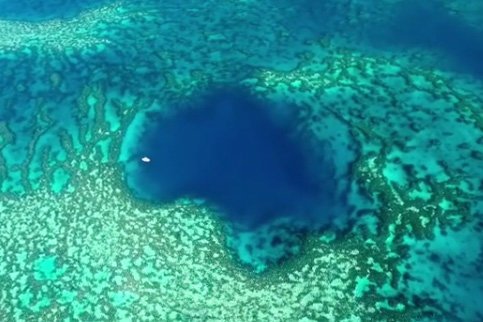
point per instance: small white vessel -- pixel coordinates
(145, 159)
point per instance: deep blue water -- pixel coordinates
(404, 25)
(235, 152)
(248, 157)
(429, 25)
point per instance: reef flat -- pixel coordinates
(76, 95)
(98, 255)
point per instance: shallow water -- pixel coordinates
(28, 10)
(303, 160)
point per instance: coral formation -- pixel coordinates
(76, 93)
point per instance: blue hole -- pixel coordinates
(241, 155)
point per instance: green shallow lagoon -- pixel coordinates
(404, 105)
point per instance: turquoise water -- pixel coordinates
(344, 184)
(44, 10)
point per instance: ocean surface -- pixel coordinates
(241, 160)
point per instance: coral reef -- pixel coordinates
(76, 94)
